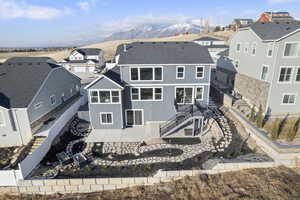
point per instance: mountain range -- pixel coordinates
(155, 30)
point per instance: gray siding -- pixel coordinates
(16, 130)
(160, 110)
(252, 67)
(59, 81)
(96, 109)
(278, 89)
(169, 75)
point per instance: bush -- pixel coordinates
(252, 115)
(293, 131)
(282, 124)
(275, 130)
(259, 118)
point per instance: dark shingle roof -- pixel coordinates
(114, 75)
(21, 78)
(207, 39)
(164, 53)
(224, 53)
(225, 63)
(89, 51)
(274, 30)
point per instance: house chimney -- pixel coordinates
(125, 48)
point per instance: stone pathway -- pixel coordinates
(219, 128)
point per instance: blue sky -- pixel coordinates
(46, 22)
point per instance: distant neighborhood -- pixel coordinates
(156, 106)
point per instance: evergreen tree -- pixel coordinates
(274, 131)
(259, 118)
(293, 131)
(252, 115)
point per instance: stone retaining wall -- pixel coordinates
(65, 186)
(282, 154)
(254, 91)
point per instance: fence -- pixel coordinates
(87, 185)
(10, 177)
(31, 161)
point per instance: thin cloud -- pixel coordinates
(10, 9)
(283, 1)
(87, 4)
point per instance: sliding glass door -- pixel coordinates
(134, 117)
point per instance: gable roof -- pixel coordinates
(112, 75)
(89, 51)
(207, 39)
(21, 78)
(163, 53)
(274, 30)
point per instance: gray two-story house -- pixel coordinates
(32, 91)
(157, 89)
(266, 56)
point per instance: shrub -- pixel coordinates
(260, 117)
(293, 131)
(252, 114)
(282, 124)
(275, 130)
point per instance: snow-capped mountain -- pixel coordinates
(155, 30)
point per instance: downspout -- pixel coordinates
(273, 75)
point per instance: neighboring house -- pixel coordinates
(84, 60)
(267, 59)
(157, 89)
(214, 45)
(32, 90)
(275, 17)
(241, 23)
(224, 76)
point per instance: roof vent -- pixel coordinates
(153, 42)
(263, 23)
(141, 42)
(277, 22)
(288, 28)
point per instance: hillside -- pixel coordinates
(109, 47)
(253, 184)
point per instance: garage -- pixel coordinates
(79, 69)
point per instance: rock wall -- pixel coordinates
(254, 91)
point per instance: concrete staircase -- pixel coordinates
(37, 141)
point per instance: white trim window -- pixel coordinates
(106, 118)
(253, 50)
(298, 75)
(238, 47)
(270, 50)
(264, 73)
(180, 72)
(285, 74)
(184, 95)
(104, 96)
(146, 94)
(146, 74)
(52, 100)
(38, 105)
(289, 99)
(134, 117)
(291, 49)
(199, 72)
(199, 93)
(2, 119)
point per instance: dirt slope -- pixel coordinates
(254, 184)
(110, 46)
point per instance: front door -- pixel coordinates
(134, 117)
